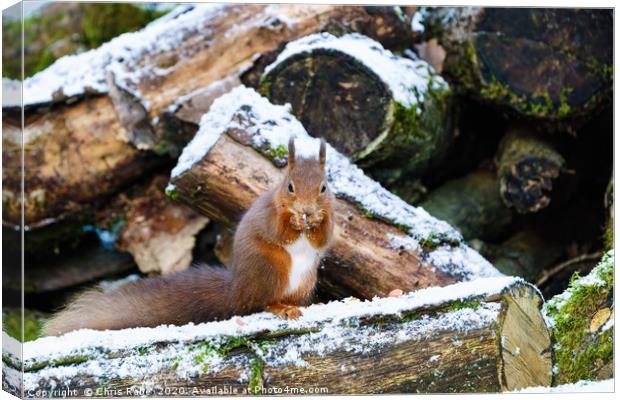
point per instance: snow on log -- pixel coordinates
(381, 244)
(582, 321)
(107, 101)
(371, 105)
(527, 167)
(528, 59)
(472, 205)
(486, 335)
(604, 386)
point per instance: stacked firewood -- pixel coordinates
(453, 133)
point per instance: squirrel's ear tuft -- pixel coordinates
(291, 152)
(322, 152)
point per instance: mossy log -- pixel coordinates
(472, 205)
(381, 243)
(526, 253)
(483, 336)
(157, 232)
(545, 63)
(371, 105)
(582, 320)
(104, 131)
(527, 167)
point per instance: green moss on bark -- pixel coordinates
(419, 136)
(579, 353)
(63, 29)
(12, 323)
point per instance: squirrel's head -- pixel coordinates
(304, 194)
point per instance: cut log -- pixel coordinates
(72, 157)
(527, 167)
(371, 105)
(142, 73)
(544, 63)
(482, 336)
(157, 232)
(526, 254)
(582, 320)
(381, 242)
(472, 205)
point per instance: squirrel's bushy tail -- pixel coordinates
(196, 294)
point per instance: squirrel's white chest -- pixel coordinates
(304, 257)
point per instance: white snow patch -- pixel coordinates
(434, 358)
(12, 377)
(461, 261)
(408, 80)
(272, 126)
(609, 324)
(11, 346)
(75, 75)
(416, 21)
(368, 339)
(578, 387)
(403, 243)
(11, 93)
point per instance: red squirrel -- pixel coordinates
(275, 255)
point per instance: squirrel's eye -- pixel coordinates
(290, 188)
(323, 188)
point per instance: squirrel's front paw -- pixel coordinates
(285, 311)
(291, 312)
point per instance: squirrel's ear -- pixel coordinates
(291, 152)
(322, 151)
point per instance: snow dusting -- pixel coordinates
(11, 93)
(592, 279)
(416, 21)
(461, 261)
(77, 75)
(367, 339)
(86, 341)
(129, 353)
(577, 387)
(407, 79)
